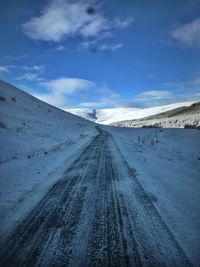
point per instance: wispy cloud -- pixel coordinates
(112, 47)
(16, 57)
(122, 23)
(65, 19)
(110, 97)
(31, 73)
(107, 98)
(168, 93)
(38, 68)
(61, 92)
(60, 48)
(187, 34)
(92, 104)
(4, 69)
(29, 76)
(153, 94)
(98, 46)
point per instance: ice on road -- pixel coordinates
(98, 214)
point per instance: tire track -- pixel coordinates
(98, 214)
(155, 242)
(58, 212)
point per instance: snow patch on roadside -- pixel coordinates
(167, 162)
(24, 183)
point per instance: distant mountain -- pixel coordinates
(86, 113)
(187, 116)
(114, 115)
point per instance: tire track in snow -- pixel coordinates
(98, 214)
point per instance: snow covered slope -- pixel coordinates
(35, 138)
(108, 116)
(30, 126)
(188, 116)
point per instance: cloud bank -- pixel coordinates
(60, 92)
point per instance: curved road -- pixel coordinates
(98, 214)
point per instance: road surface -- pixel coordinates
(98, 214)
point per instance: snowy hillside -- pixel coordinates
(34, 126)
(35, 138)
(177, 118)
(108, 116)
(68, 180)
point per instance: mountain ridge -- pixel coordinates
(115, 115)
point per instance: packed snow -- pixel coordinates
(111, 115)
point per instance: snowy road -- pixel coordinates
(98, 214)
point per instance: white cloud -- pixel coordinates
(112, 47)
(54, 98)
(153, 98)
(153, 94)
(107, 98)
(92, 104)
(122, 23)
(37, 68)
(88, 44)
(4, 69)
(59, 90)
(96, 26)
(68, 85)
(29, 76)
(32, 73)
(187, 34)
(185, 90)
(101, 46)
(170, 92)
(60, 48)
(63, 18)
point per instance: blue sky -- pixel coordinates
(102, 54)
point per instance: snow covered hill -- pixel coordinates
(34, 126)
(187, 116)
(109, 116)
(35, 139)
